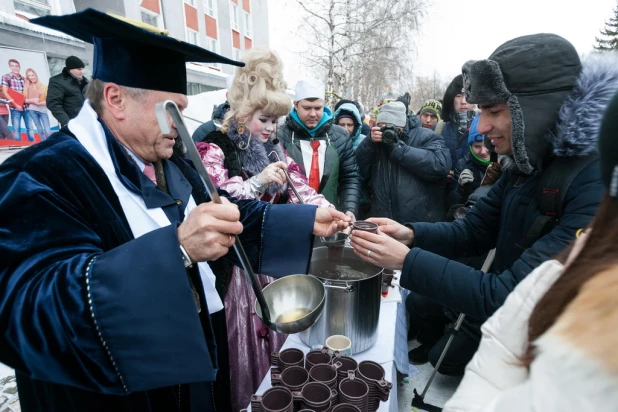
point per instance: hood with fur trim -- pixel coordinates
(556, 103)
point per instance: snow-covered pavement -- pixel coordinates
(9, 402)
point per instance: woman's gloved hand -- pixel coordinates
(465, 177)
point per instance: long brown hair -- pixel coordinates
(598, 255)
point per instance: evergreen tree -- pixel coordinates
(610, 42)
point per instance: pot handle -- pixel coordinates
(347, 287)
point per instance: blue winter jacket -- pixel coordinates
(502, 219)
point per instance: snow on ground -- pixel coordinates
(9, 401)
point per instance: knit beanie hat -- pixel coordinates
(74, 62)
(392, 113)
(608, 148)
(473, 133)
(432, 106)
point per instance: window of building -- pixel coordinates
(192, 37)
(211, 8)
(152, 18)
(234, 16)
(247, 24)
(33, 7)
(197, 88)
(236, 54)
(191, 2)
(213, 46)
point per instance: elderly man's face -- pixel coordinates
(142, 132)
(495, 122)
(310, 112)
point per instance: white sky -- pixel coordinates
(454, 31)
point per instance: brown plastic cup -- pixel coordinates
(276, 399)
(326, 374)
(347, 364)
(365, 226)
(293, 377)
(379, 388)
(287, 358)
(345, 407)
(354, 391)
(317, 357)
(316, 396)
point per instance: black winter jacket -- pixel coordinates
(206, 128)
(65, 96)
(408, 182)
(459, 194)
(340, 162)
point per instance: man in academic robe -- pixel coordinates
(107, 298)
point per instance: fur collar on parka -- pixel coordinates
(556, 103)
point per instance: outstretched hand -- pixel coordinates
(329, 221)
(393, 229)
(380, 249)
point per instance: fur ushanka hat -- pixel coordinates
(534, 75)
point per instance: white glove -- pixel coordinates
(465, 177)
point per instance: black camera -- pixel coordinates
(390, 134)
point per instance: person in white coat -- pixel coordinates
(553, 345)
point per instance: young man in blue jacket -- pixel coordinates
(535, 96)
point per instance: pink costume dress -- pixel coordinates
(250, 342)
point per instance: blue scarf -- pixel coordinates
(328, 114)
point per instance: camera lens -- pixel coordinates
(389, 136)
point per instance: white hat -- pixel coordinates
(310, 89)
(229, 81)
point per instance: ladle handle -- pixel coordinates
(170, 107)
(347, 287)
(287, 176)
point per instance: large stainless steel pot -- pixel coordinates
(352, 303)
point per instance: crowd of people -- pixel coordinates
(26, 98)
(130, 299)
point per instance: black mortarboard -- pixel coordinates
(130, 55)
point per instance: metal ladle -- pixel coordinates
(161, 110)
(289, 179)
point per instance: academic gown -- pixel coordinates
(93, 319)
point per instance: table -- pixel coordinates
(390, 350)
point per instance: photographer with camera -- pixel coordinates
(406, 165)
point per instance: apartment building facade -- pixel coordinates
(227, 27)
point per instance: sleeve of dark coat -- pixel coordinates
(458, 193)
(365, 153)
(55, 96)
(425, 155)
(429, 272)
(349, 178)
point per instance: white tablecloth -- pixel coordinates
(387, 349)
